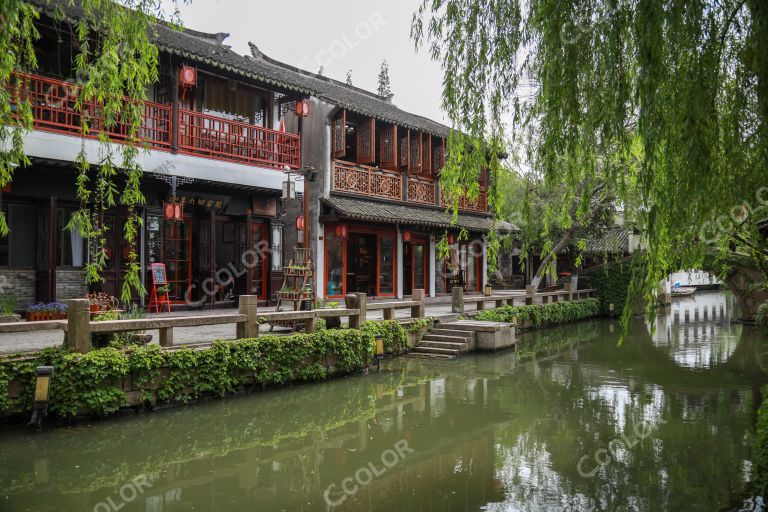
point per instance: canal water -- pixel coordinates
(572, 421)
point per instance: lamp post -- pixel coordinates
(44, 374)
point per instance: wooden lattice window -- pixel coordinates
(438, 156)
(426, 154)
(404, 153)
(388, 147)
(339, 135)
(415, 153)
(366, 142)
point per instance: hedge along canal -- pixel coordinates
(106, 380)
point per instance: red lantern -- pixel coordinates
(302, 108)
(341, 231)
(451, 239)
(407, 236)
(188, 76)
(300, 223)
(173, 211)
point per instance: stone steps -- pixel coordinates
(444, 342)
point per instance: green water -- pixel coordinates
(670, 417)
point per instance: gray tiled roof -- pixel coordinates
(614, 240)
(396, 213)
(210, 49)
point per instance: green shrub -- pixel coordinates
(762, 315)
(94, 381)
(612, 284)
(760, 450)
(545, 314)
(395, 336)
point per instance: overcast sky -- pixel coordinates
(342, 34)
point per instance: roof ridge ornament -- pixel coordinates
(255, 52)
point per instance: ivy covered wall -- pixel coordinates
(103, 381)
(612, 283)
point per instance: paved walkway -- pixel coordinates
(30, 341)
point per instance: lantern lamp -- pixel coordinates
(379, 350)
(407, 236)
(41, 397)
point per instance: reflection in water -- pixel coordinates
(489, 432)
(699, 332)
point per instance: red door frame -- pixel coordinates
(423, 241)
(262, 226)
(352, 229)
(188, 220)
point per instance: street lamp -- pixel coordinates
(44, 374)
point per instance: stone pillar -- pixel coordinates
(249, 308)
(530, 294)
(457, 299)
(78, 337)
(418, 311)
(356, 301)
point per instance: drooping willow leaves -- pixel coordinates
(115, 63)
(665, 102)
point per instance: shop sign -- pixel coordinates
(198, 201)
(264, 206)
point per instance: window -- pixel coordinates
(386, 265)
(70, 244)
(334, 264)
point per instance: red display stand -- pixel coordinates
(159, 279)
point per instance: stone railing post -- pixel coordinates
(457, 299)
(356, 301)
(249, 308)
(530, 295)
(78, 336)
(418, 311)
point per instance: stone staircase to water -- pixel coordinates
(445, 340)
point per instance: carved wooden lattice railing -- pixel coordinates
(480, 204)
(421, 190)
(368, 181)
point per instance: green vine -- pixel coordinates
(96, 381)
(544, 314)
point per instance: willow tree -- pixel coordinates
(587, 84)
(115, 62)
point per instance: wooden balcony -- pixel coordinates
(421, 190)
(367, 181)
(54, 109)
(213, 137)
(480, 204)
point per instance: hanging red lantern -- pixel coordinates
(451, 239)
(302, 108)
(407, 236)
(341, 231)
(188, 76)
(300, 223)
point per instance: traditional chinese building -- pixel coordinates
(221, 130)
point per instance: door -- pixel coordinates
(177, 256)
(257, 259)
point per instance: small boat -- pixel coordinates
(683, 291)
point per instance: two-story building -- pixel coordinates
(221, 132)
(212, 129)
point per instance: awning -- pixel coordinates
(394, 213)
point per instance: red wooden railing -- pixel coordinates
(421, 190)
(368, 181)
(203, 134)
(480, 204)
(54, 109)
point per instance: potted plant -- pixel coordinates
(163, 290)
(487, 290)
